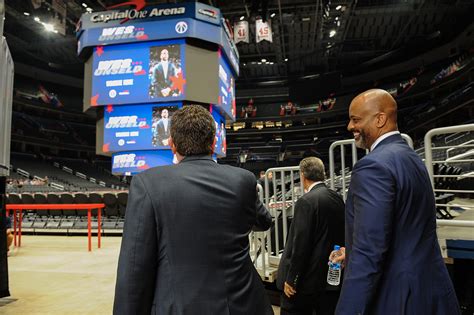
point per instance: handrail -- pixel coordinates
(428, 144)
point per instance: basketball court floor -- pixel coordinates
(57, 275)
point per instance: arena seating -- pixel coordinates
(71, 221)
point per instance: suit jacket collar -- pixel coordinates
(321, 184)
(393, 138)
(196, 157)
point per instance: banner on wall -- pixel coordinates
(263, 30)
(241, 32)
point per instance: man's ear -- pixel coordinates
(381, 120)
(171, 144)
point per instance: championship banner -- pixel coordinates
(241, 32)
(263, 30)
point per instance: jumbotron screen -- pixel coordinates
(138, 127)
(138, 73)
(220, 146)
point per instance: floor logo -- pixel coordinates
(181, 27)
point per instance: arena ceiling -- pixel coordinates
(310, 37)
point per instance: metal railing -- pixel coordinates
(279, 196)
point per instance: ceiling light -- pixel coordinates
(338, 23)
(89, 10)
(286, 59)
(26, 13)
(338, 7)
(49, 27)
(37, 19)
(242, 18)
(244, 64)
(84, 5)
(306, 19)
(264, 60)
(337, 18)
(271, 62)
(259, 63)
(273, 15)
(332, 33)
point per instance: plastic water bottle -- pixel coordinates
(334, 271)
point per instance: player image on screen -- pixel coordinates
(161, 125)
(165, 64)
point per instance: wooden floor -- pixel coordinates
(57, 275)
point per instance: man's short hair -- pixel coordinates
(312, 169)
(193, 131)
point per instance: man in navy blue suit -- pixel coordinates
(393, 263)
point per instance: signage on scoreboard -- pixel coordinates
(135, 14)
(226, 99)
(131, 163)
(139, 73)
(138, 127)
(220, 143)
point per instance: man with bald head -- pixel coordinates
(393, 263)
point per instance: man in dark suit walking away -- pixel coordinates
(185, 247)
(393, 260)
(318, 225)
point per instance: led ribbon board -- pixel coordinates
(131, 163)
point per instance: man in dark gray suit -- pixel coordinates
(185, 246)
(318, 225)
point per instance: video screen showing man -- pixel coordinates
(165, 66)
(161, 125)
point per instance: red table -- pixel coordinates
(77, 206)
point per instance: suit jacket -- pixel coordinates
(318, 225)
(393, 260)
(185, 247)
(159, 77)
(163, 134)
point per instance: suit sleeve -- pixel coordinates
(373, 198)
(302, 225)
(263, 218)
(137, 266)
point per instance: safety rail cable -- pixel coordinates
(22, 172)
(80, 175)
(429, 149)
(57, 186)
(466, 144)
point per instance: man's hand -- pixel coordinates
(289, 290)
(338, 256)
(165, 92)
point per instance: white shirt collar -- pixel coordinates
(164, 64)
(382, 137)
(312, 185)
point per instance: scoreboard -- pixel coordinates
(142, 65)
